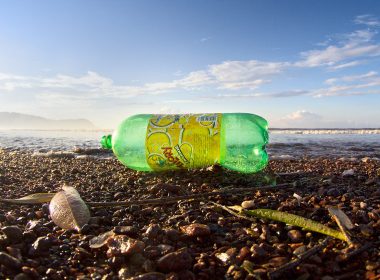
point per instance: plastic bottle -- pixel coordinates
(168, 142)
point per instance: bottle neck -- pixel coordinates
(106, 142)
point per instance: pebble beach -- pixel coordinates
(190, 238)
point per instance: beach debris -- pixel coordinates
(284, 217)
(68, 210)
(36, 198)
(342, 220)
(349, 172)
(279, 272)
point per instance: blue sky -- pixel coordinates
(296, 63)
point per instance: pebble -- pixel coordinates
(175, 261)
(9, 261)
(13, 234)
(130, 231)
(278, 261)
(248, 204)
(258, 251)
(295, 235)
(300, 250)
(41, 246)
(153, 231)
(348, 173)
(151, 276)
(196, 230)
(121, 244)
(22, 276)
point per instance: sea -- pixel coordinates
(283, 143)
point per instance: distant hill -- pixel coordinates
(23, 121)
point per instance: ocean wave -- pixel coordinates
(324, 131)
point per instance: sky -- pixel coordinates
(304, 64)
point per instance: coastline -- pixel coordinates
(215, 247)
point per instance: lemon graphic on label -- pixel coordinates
(154, 143)
(164, 120)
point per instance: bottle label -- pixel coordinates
(183, 141)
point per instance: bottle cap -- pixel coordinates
(106, 142)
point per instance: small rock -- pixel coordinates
(14, 252)
(278, 261)
(172, 234)
(295, 236)
(13, 234)
(363, 205)
(121, 244)
(176, 261)
(22, 276)
(243, 254)
(9, 261)
(124, 273)
(365, 159)
(348, 173)
(150, 276)
(153, 231)
(130, 231)
(196, 230)
(372, 265)
(248, 204)
(366, 230)
(333, 192)
(300, 250)
(41, 246)
(257, 251)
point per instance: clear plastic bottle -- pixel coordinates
(167, 142)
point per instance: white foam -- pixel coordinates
(325, 131)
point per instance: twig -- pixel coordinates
(233, 212)
(355, 252)
(198, 196)
(312, 251)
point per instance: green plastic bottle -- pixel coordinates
(168, 142)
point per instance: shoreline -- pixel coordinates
(203, 242)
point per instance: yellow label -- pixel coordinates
(183, 141)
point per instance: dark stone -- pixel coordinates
(176, 261)
(13, 234)
(41, 246)
(9, 261)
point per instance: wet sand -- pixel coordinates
(189, 239)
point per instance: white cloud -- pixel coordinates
(245, 74)
(350, 85)
(230, 75)
(345, 65)
(368, 20)
(302, 115)
(300, 119)
(355, 45)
